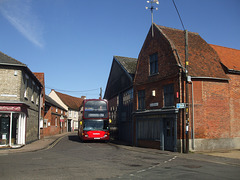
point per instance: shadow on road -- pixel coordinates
(74, 138)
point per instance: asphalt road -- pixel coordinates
(71, 159)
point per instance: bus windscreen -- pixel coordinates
(95, 109)
(95, 125)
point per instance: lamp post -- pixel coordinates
(151, 9)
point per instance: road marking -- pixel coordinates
(55, 142)
(151, 167)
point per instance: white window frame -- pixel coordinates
(26, 86)
(33, 86)
(56, 121)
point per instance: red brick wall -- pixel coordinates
(167, 68)
(211, 109)
(51, 115)
(216, 103)
(234, 88)
(167, 65)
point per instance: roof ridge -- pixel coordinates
(164, 27)
(13, 58)
(224, 47)
(67, 95)
(126, 57)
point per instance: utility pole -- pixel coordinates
(100, 95)
(187, 82)
(187, 91)
(151, 9)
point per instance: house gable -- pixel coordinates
(203, 61)
(167, 62)
(71, 102)
(121, 75)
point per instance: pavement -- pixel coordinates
(45, 143)
(51, 141)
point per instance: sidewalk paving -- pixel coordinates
(46, 142)
(235, 154)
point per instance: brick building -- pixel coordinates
(55, 118)
(19, 103)
(72, 105)
(160, 83)
(119, 93)
(40, 77)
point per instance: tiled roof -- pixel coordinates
(203, 60)
(228, 56)
(7, 60)
(129, 64)
(54, 103)
(73, 103)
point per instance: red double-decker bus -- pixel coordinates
(94, 120)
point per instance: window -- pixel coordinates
(141, 99)
(45, 123)
(56, 109)
(153, 64)
(168, 95)
(37, 99)
(26, 86)
(56, 121)
(33, 86)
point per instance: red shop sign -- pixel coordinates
(10, 108)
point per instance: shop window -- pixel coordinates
(141, 100)
(168, 95)
(153, 64)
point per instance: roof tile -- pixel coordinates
(228, 56)
(203, 60)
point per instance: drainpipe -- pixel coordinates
(192, 117)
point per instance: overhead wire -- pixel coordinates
(178, 14)
(73, 91)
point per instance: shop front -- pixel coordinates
(12, 125)
(156, 129)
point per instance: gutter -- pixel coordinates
(213, 78)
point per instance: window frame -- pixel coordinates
(153, 64)
(141, 100)
(168, 95)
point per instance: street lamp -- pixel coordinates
(151, 8)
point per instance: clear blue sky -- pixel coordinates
(73, 41)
